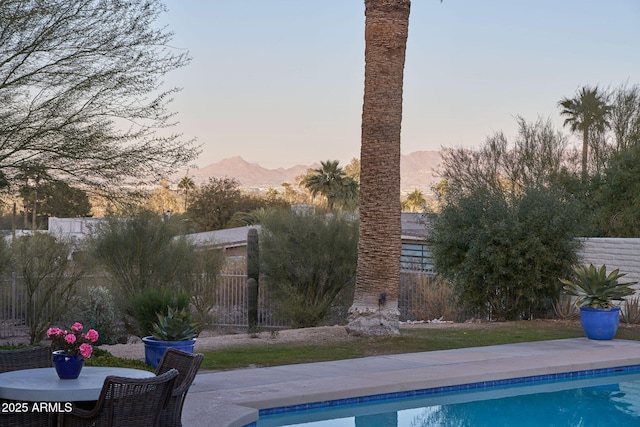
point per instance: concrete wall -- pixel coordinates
(614, 253)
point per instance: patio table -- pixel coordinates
(43, 384)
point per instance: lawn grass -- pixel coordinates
(410, 340)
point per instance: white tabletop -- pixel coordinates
(43, 384)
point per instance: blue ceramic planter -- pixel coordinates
(67, 367)
(154, 349)
(600, 323)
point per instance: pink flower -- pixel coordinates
(86, 350)
(70, 338)
(54, 331)
(92, 335)
(76, 326)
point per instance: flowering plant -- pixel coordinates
(73, 342)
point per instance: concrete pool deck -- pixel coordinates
(233, 398)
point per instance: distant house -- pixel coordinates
(415, 255)
(232, 240)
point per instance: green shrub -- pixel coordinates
(146, 306)
(505, 251)
(307, 261)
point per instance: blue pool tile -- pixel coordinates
(450, 389)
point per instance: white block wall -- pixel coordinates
(614, 253)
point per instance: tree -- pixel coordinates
(588, 112)
(308, 261)
(617, 199)
(507, 223)
(537, 157)
(63, 201)
(375, 306)
(625, 117)
(214, 203)
(163, 201)
(331, 181)
(186, 185)
(80, 89)
(415, 201)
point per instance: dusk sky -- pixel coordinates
(280, 82)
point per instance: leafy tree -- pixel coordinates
(80, 89)
(50, 276)
(625, 116)
(617, 198)
(163, 201)
(386, 30)
(588, 113)
(214, 203)
(330, 181)
(505, 251)
(308, 262)
(63, 201)
(353, 169)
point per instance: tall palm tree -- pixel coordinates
(332, 182)
(414, 202)
(587, 112)
(375, 305)
(186, 184)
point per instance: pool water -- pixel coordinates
(603, 400)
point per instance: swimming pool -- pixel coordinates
(609, 397)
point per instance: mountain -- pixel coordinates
(417, 170)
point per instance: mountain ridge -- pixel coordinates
(417, 171)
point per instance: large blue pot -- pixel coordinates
(154, 349)
(600, 323)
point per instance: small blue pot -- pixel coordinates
(67, 367)
(154, 349)
(600, 323)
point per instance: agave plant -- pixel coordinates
(595, 289)
(176, 325)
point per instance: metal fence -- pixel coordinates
(231, 301)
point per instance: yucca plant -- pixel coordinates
(595, 288)
(176, 325)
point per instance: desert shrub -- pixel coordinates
(96, 309)
(141, 252)
(49, 274)
(565, 307)
(307, 261)
(145, 307)
(630, 310)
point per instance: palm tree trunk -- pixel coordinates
(585, 153)
(375, 306)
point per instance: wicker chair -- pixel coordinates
(25, 358)
(125, 402)
(187, 365)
